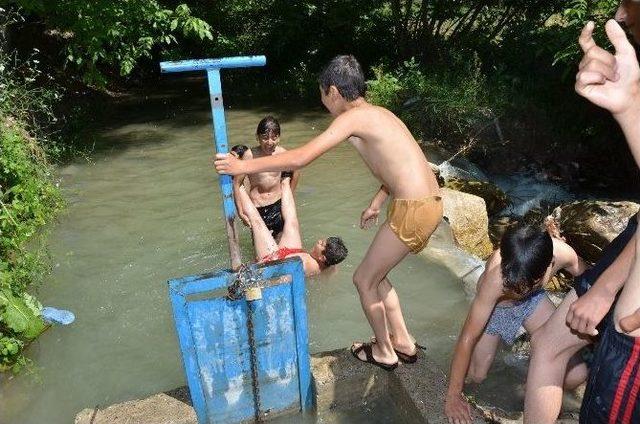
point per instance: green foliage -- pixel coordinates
(102, 35)
(571, 22)
(21, 315)
(28, 198)
(11, 358)
(438, 103)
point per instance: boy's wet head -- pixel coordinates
(345, 74)
(527, 253)
(268, 133)
(331, 251)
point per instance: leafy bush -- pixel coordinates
(28, 198)
(114, 34)
(571, 22)
(438, 103)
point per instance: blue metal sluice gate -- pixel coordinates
(246, 358)
(214, 336)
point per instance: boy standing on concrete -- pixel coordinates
(395, 158)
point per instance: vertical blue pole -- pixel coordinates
(226, 181)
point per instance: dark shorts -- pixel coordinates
(272, 217)
(614, 380)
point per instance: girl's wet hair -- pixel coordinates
(526, 252)
(343, 72)
(268, 126)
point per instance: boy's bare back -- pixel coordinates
(389, 150)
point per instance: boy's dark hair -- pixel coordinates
(268, 126)
(526, 252)
(343, 72)
(334, 251)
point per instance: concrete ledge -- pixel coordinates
(157, 409)
(341, 383)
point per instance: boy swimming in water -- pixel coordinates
(414, 213)
(265, 192)
(324, 254)
(509, 295)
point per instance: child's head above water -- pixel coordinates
(268, 133)
(527, 253)
(330, 251)
(345, 75)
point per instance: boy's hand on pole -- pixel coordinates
(229, 164)
(611, 81)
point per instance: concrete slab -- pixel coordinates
(341, 383)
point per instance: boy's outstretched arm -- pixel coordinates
(340, 129)
(456, 407)
(612, 81)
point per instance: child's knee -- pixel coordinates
(361, 280)
(476, 376)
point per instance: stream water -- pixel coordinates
(146, 208)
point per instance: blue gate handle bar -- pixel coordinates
(206, 64)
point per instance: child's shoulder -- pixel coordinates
(249, 153)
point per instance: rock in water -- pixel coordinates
(467, 216)
(590, 225)
(494, 198)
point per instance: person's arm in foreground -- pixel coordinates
(612, 82)
(369, 216)
(340, 129)
(456, 407)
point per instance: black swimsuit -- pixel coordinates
(272, 217)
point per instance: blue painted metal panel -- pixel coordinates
(274, 330)
(206, 64)
(214, 342)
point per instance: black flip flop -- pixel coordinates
(366, 347)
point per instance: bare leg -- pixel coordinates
(290, 236)
(385, 252)
(552, 347)
(577, 370)
(262, 239)
(397, 326)
(483, 355)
